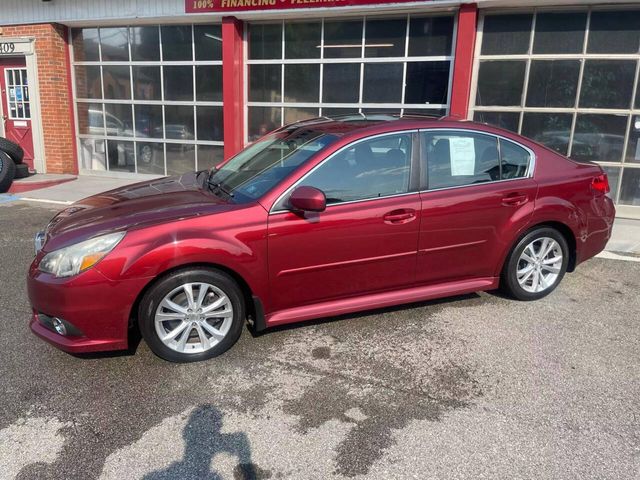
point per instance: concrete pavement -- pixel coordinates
(471, 387)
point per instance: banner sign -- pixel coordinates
(203, 6)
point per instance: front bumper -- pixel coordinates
(97, 309)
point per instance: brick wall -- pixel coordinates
(55, 102)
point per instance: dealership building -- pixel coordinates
(136, 88)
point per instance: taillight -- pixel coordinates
(600, 184)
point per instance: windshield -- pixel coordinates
(262, 165)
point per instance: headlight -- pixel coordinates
(77, 258)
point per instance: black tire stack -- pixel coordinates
(11, 166)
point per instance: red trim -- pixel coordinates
(20, 186)
(463, 64)
(232, 85)
(72, 117)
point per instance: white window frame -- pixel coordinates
(22, 102)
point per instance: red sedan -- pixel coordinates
(319, 218)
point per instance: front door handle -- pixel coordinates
(515, 199)
(402, 215)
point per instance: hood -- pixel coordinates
(134, 206)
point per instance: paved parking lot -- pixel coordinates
(475, 386)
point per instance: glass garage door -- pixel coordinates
(149, 98)
(298, 70)
(570, 80)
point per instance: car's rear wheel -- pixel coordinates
(192, 315)
(536, 264)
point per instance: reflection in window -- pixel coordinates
(553, 83)
(116, 81)
(85, 45)
(114, 43)
(150, 158)
(559, 32)
(343, 39)
(630, 187)
(90, 119)
(147, 83)
(607, 83)
(633, 145)
(382, 83)
(118, 120)
(614, 32)
(507, 120)
(341, 83)
(209, 83)
(178, 122)
(263, 120)
(93, 154)
(506, 34)
(550, 129)
(427, 82)
(209, 156)
(265, 41)
(302, 40)
(178, 82)
(88, 81)
(208, 42)
(430, 36)
(180, 157)
(148, 121)
(385, 38)
(121, 156)
(599, 137)
(210, 125)
(301, 83)
(176, 43)
(145, 44)
(369, 169)
(500, 82)
(264, 83)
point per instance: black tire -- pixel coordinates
(509, 281)
(155, 295)
(12, 149)
(22, 171)
(7, 172)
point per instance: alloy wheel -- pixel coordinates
(193, 318)
(539, 265)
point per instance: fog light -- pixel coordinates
(59, 326)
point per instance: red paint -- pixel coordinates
(308, 199)
(202, 6)
(26, 185)
(17, 130)
(463, 63)
(72, 117)
(232, 85)
(350, 257)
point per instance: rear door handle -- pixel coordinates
(515, 199)
(402, 215)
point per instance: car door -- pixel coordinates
(477, 190)
(366, 239)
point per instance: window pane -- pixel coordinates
(302, 40)
(145, 43)
(265, 83)
(637, 106)
(382, 83)
(119, 120)
(506, 120)
(559, 32)
(146, 83)
(115, 44)
(427, 82)
(208, 42)
(176, 43)
(90, 119)
(341, 83)
(88, 84)
(550, 129)
(178, 122)
(430, 36)
(607, 83)
(209, 83)
(301, 83)
(181, 158)
(630, 188)
(210, 123)
(150, 158)
(209, 156)
(117, 82)
(514, 160)
(178, 83)
(265, 41)
(369, 169)
(121, 156)
(500, 82)
(93, 154)
(148, 121)
(553, 83)
(334, 111)
(633, 146)
(85, 45)
(614, 175)
(506, 34)
(456, 159)
(614, 32)
(343, 39)
(292, 115)
(263, 120)
(385, 38)
(432, 112)
(599, 137)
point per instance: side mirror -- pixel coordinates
(308, 199)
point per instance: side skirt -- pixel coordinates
(380, 300)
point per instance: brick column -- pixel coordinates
(463, 63)
(56, 104)
(232, 85)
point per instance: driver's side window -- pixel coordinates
(373, 168)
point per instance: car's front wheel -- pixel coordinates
(536, 264)
(192, 315)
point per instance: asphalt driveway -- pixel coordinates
(476, 386)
